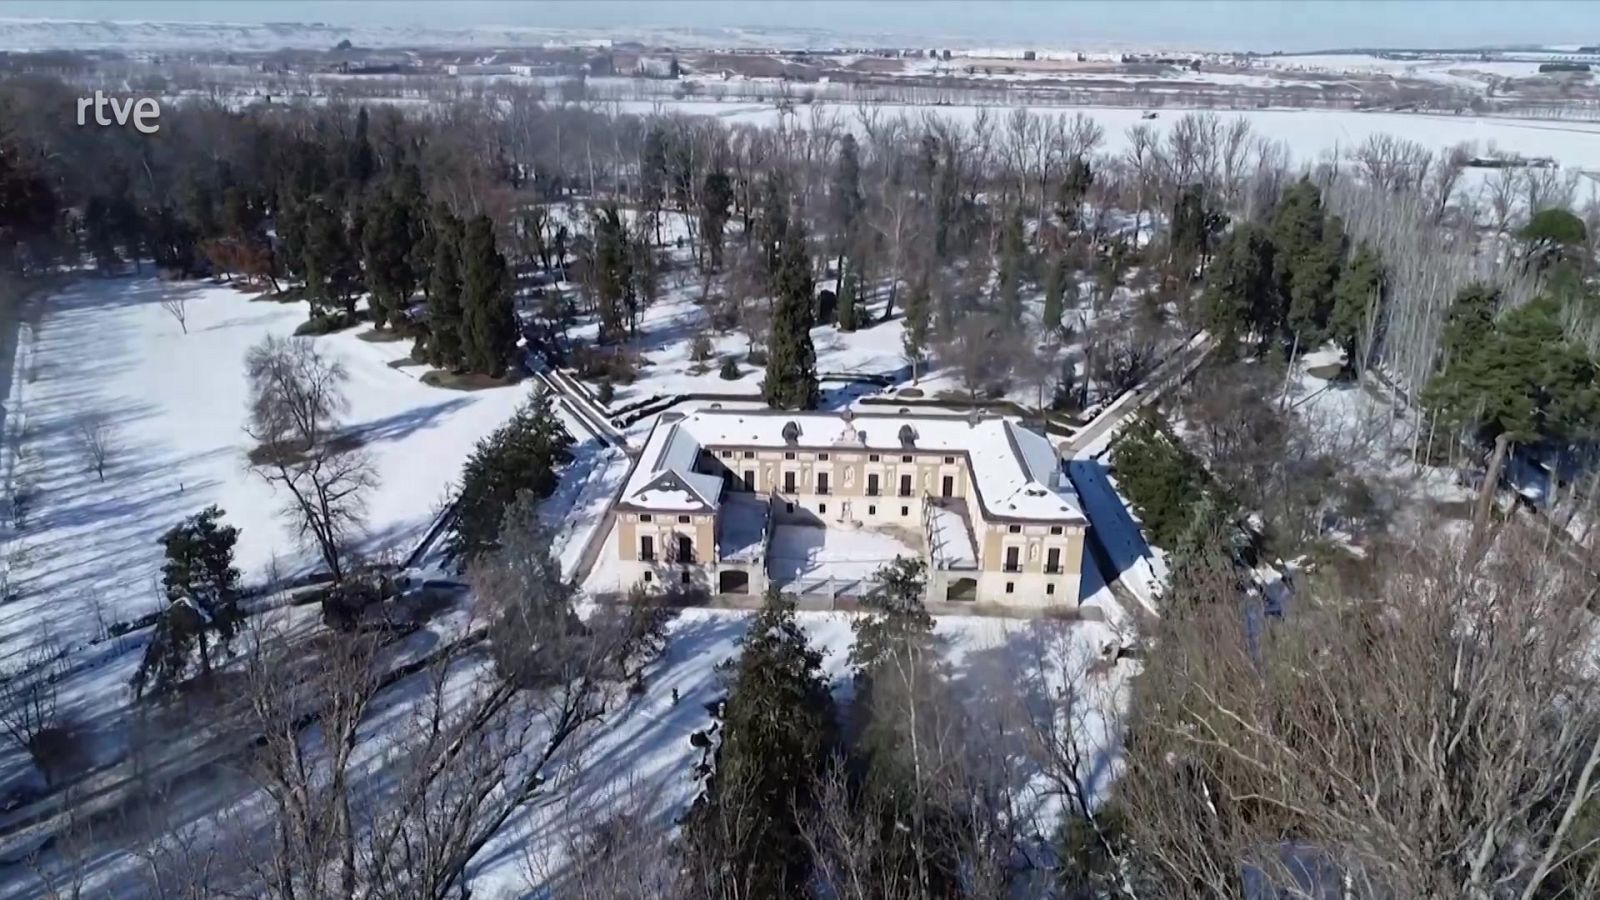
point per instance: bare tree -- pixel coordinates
(1439, 739)
(96, 437)
(176, 305)
(296, 395)
(28, 709)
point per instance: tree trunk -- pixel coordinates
(1491, 481)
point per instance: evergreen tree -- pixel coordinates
(716, 197)
(408, 193)
(845, 311)
(611, 273)
(1013, 252)
(362, 163)
(331, 270)
(915, 336)
(202, 592)
(902, 702)
(791, 380)
(777, 729)
(653, 177)
(1058, 280)
(1240, 295)
(444, 292)
(845, 204)
(1308, 247)
(488, 318)
(1356, 296)
(1163, 482)
(519, 457)
(1072, 191)
(386, 244)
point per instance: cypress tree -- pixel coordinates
(488, 319)
(1239, 295)
(386, 243)
(716, 196)
(777, 730)
(915, 336)
(791, 380)
(330, 263)
(845, 315)
(1357, 292)
(444, 291)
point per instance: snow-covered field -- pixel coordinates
(1309, 134)
(88, 556)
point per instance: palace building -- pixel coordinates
(736, 500)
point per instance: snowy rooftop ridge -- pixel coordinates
(1015, 470)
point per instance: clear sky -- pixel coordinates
(1245, 24)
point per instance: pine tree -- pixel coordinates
(1163, 482)
(791, 380)
(1307, 250)
(444, 291)
(488, 318)
(520, 456)
(202, 592)
(777, 730)
(915, 336)
(1074, 188)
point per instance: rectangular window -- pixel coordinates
(905, 485)
(872, 510)
(872, 485)
(905, 459)
(788, 507)
(1050, 588)
(684, 578)
(1014, 529)
(749, 454)
(947, 486)
(789, 455)
(685, 549)
(822, 482)
(905, 510)
(683, 520)
(647, 547)
(1011, 587)
(749, 481)
(645, 517)
(822, 509)
(872, 457)
(1055, 529)
(727, 453)
(822, 457)
(1052, 561)
(648, 578)
(1013, 559)
(949, 460)
(788, 482)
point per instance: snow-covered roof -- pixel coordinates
(1015, 470)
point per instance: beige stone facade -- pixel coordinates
(981, 499)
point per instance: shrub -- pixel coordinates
(756, 357)
(701, 350)
(318, 325)
(606, 364)
(730, 369)
(606, 392)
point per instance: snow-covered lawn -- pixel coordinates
(89, 556)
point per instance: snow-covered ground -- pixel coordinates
(640, 760)
(89, 555)
(1309, 134)
(806, 552)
